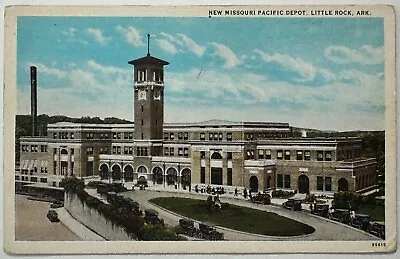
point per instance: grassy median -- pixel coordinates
(236, 217)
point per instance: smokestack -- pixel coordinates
(34, 100)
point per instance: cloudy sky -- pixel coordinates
(324, 73)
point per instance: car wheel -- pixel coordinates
(200, 235)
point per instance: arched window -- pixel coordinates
(216, 155)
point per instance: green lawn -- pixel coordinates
(236, 217)
(377, 212)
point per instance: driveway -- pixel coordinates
(325, 229)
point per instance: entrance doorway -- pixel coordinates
(254, 184)
(303, 184)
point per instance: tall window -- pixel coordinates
(320, 156)
(229, 136)
(299, 155)
(202, 154)
(279, 182)
(229, 177)
(320, 183)
(229, 155)
(279, 154)
(328, 184)
(141, 75)
(287, 154)
(287, 180)
(307, 155)
(90, 168)
(202, 136)
(260, 154)
(202, 175)
(268, 154)
(328, 156)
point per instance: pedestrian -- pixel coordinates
(235, 191)
(245, 193)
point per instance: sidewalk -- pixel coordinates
(78, 228)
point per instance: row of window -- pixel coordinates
(179, 135)
(142, 151)
(323, 183)
(170, 151)
(115, 135)
(64, 168)
(216, 136)
(216, 176)
(43, 170)
(63, 135)
(33, 148)
(32, 179)
(155, 75)
(250, 137)
(290, 154)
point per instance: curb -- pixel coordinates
(234, 230)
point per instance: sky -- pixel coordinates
(323, 73)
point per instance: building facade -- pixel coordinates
(254, 155)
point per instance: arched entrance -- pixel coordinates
(186, 177)
(253, 184)
(128, 173)
(343, 185)
(268, 185)
(104, 171)
(116, 172)
(172, 176)
(303, 184)
(157, 175)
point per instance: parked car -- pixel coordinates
(292, 204)
(262, 198)
(360, 221)
(341, 215)
(151, 217)
(57, 204)
(377, 228)
(53, 216)
(320, 210)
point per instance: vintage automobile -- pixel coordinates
(320, 210)
(341, 215)
(360, 221)
(262, 198)
(200, 230)
(377, 229)
(208, 231)
(151, 217)
(292, 204)
(53, 216)
(57, 204)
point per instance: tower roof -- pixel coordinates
(148, 60)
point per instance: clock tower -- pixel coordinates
(148, 93)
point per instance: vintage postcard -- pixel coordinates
(199, 129)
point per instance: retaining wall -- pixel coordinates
(95, 221)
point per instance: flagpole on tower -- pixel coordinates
(148, 44)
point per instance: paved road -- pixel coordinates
(31, 223)
(325, 230)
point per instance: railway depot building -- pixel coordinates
(254, 155)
